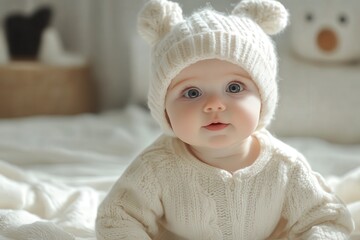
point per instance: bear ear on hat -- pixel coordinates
(270, 15)
(157, 18)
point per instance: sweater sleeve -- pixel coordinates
(131, 209)
(312, 210)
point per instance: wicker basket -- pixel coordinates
(31, 88)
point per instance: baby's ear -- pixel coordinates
(270, 15)
(157, 18)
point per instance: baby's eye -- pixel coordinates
(235, 87)
(192, 93)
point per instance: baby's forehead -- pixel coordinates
(209, 68)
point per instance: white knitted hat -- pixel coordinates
(241, 38)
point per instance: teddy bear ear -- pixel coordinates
(271, 15)
(158, 18)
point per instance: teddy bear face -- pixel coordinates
(326, 30)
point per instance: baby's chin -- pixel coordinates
(217, 142)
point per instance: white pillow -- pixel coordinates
(318, 100)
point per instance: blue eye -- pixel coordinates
(235, 87)
(192, 93)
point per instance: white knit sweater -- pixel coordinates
(166, 193)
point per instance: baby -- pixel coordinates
(216, 172)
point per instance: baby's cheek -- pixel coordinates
(248, 111)
(182, 122)
(183, 119)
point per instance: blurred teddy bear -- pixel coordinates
(326, 30)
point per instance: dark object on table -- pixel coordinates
(24, 33)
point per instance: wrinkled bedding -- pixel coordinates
(54, 171)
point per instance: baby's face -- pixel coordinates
(213, 103)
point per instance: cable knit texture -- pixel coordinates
(241, 38)
(168, 194)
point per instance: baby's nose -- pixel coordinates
(214, 104)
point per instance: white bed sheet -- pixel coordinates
(54, 171)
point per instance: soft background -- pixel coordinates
(54, 170)
(104, 31)
(316, 99)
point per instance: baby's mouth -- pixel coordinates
(216, 126)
